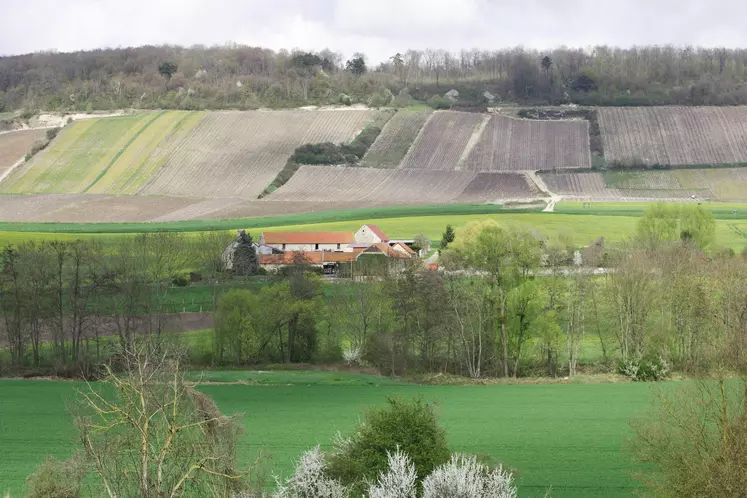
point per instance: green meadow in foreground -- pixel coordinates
(569, 438)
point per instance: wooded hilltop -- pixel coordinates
(243, 77)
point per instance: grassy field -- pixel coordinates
(569, 438)
(581, 222)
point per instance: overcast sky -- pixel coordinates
(378, 28)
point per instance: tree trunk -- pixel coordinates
(504, 338)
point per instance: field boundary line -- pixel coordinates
(473, 139)
(160, 161)
(12, 168)
(417, 137)
(121, 151)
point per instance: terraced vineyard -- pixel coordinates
(395, 139)
(443, 140)
(511, 144)
(674, 135)
(238, 154)
(326, 184)
(15, 145)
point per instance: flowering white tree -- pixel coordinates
(399, 481)
(465, 477)
(309, 480)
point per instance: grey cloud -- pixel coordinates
(377, 27)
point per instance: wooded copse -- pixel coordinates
(504, 303)
(243, 77)
(55, 296)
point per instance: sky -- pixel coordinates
(378, 28)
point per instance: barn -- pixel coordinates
(308, 241)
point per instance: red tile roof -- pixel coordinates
(406, 248)
(377, 231)
(385, 249)
(308, 237)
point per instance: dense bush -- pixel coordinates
(52, 133)
(56, 479)
(310, 479)
(438, 102)
(399, 480)
(461, 477)
(407, 425)
(644, 369)
(465, 477)
(322, 153)
(329, 153)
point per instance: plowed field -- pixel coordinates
(674, 135)
(15, 145)
(178, 153)
(87, 208)
(395, 139)
(325, 184)
(511, 144)
(443, 140)
(238, 154)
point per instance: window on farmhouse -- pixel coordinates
(316, 247)
(284, 247)
(338, 246)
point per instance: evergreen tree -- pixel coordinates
(245, 259)
(447, 237)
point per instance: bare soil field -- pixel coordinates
(442, 140)
(15, 145)
(329, 183)
(88, 208)
(646, 136)
(513, 144)
(509, 186)
(236, 154)
(395, 139)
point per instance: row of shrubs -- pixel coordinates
(398, 451)
(40, 145)
(328, 153)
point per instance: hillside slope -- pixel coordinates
(230, 154)
(647, 136)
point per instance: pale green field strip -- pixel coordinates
(118, 154)
(77, 157)
(147, 153)
(109, 155)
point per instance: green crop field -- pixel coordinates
(582, 224)
(570, 438)
(104, 155)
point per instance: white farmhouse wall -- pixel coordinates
(365, 236)
(311, 247)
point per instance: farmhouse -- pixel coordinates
(370, 234)
(308, 241)
(328, 249)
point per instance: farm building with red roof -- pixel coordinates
(370, 234)
(307, 241)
